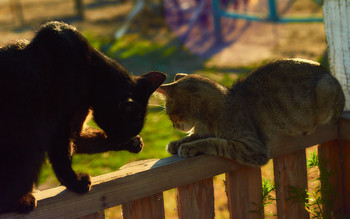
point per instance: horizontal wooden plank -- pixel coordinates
(136, 180)
(287, 144)
(344, 129)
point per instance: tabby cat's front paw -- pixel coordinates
(189, 150)
(173, 147)
(82, 184)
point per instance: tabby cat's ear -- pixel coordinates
(180, 75)
(165, 89)
(152, 80)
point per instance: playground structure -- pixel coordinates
(271, 16)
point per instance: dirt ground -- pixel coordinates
(248, 42)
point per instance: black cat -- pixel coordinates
(47, 87)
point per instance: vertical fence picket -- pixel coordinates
(330, 154)
(346, 175)
(337, 28)
(196, 200)
(290, 174)
(244, 192)
(151, 207)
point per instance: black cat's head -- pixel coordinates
(122, 114)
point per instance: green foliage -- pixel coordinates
(313, 160)
(266, 197)
(267, 188)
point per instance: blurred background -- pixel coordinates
(172, 36)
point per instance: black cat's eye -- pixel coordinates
(128, 106)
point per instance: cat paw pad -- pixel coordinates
(82, 185)
(135, 145)
(25, 204)
(173, 147)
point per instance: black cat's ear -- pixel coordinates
(152, 80)
(180, 75)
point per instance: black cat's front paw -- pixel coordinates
(82, 184)
(135, 145)
(25, 204)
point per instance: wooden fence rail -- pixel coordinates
(138, 186)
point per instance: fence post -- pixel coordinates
(337, 28)
(290, 175)
(196, 200)
(151, 207)
(346, 175)
(244, 193)
(330, 154)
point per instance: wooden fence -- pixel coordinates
(139, 186)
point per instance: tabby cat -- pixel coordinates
(47, 88)
(286, 96)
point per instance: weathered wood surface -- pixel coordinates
(97, 215)
(287, 144)
(344, 128)
(290, 174)
(151, 207)
(244, 191)
(332, 156)
(346, 176)
(196, 200)
(336, 15)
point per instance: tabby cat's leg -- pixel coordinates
(245, 151)
(173, 146)
(60, 156)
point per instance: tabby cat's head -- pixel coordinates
(188, 99)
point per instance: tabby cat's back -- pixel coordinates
(292, 96)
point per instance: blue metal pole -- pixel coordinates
(217, 13)
(273, 14)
